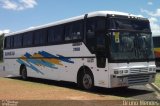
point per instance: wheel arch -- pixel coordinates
(81, 70)
(20, 69)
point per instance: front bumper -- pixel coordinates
(132, 79)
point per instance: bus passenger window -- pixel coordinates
(28, 39)
(51, 34)
(7, 42)
(77, 30)
(55, 34)
(67, 32)
(91, 38)
(17, 41)
(40, 37)
(58, 36)
(74, 31)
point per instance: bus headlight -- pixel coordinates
(150, 69)
(120, 71)
(115, 71)
(125, 71)
(154, 69)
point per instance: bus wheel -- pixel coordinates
(86, 80)
(24, 73)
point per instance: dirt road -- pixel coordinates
(40, 89)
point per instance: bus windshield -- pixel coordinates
(129, 24)
(131, 46)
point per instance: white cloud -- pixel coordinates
(17, 4)
(151, 13)
(154, 26)
(154, 20)
(8, 5)
(150, 3)
(4, 31)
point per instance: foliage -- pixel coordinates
(157, 81)
(1, 47)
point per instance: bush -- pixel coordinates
(1, 47)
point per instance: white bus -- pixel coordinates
(104, 48)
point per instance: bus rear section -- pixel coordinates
(156, 40)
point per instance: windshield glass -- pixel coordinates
(131, 46)
(129, 24)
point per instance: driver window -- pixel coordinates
(91, 38)
(100, 41)
(91, 26)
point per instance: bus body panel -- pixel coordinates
(65, 69)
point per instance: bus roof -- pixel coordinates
(91, 14)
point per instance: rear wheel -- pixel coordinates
(24, 73)
(86, 80)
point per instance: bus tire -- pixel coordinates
(86, 80)
(23, 73)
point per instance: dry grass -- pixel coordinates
(14, 89)
(157, 81)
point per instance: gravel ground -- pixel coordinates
(3, 74)
(40, 89)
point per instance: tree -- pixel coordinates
(1, 46)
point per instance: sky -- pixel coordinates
(17, 15)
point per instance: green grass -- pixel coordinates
(157, 81)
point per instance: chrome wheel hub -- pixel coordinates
(87, 81)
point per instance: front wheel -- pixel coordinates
(24, 73)
(86, 80)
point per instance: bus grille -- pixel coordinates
(138, 79)
(138, 70)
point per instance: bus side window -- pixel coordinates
(74, 31)
(68, 29)
(58, 36)
(90, 30)
(77, 30)
(55, 34)
(51, 34)
(11, 42)
(40, 37)
(91, 26)
(17, 41)
(156, 42)
(27, 39)
(7, 42)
